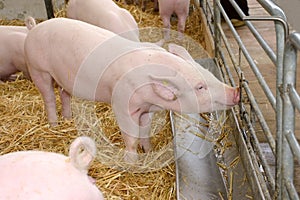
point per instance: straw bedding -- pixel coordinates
(23, 126)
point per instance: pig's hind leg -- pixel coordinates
(66, 104)
(181, 25)
(44, 82)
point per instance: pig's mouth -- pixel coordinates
(225, 105)
(234, 101)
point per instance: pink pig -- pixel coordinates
(167, 8)
(49, 176)
(105, 14)
(12, 50)
(136, 78)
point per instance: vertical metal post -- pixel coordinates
(288, 114)
(49, 9)
(280, 42)
(279, 110)
(217, 20)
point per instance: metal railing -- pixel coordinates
(290, 103)
(265, 184)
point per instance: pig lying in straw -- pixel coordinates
(136, 78)
(105, 14)
(49, 176)
(12, 49)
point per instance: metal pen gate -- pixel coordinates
(266, 182)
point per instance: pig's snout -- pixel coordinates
(236, 95)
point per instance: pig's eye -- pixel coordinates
(200, 87)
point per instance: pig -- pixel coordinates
(136, 78)
(49, 176)
(167, 8)
(12, 58)
(105, 14)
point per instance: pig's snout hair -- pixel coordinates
(30, 22)
(82, 152)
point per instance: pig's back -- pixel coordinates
(10, 29)
(58, 46)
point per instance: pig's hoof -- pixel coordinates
(53, 124)
(131, 158)
(145, 144)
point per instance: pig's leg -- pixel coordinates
(66, 105)
(145, 128)
(130, 131)
(155, 6)
(44, 83)
(181, 25)
(131, 143)
(166, 25)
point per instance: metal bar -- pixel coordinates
(288, 114)
(295, 98)
(261, 119)
(255, 142)
(294, 145)
(230, 53)
(260, 189)
(250, 60)
(217, 20)
(274, 10)
(291, 190)
(49, 8)
(255, 33)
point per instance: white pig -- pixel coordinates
(12, 49)
(49, 176)
(136, 78)
(167, 8)
(105, 14)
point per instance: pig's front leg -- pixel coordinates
(131, 143)
(129, 126)
(145, 128)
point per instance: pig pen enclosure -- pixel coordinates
(221, 155)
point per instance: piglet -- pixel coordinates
(12, 49)
(105, 14)
(49, 176)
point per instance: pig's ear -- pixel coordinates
(164, 88)
(180, 51)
